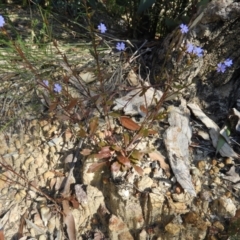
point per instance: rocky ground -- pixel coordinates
(183, 180)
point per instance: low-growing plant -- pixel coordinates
(61, 104)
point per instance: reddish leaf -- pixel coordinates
(138, 169)
(86, 152)
(72, 104)
(143, 109)
(103, 153)
(129, 123)
(124, 160)
(1, 234)
(152, 132)
(96, 166)
(115, 167)
(53, 106)
(93, 125)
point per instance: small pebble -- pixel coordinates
(229, 161)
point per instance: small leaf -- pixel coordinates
(225, 132)
(143, 109)
(126, 138)
(93, 125)
(124, 160)
(223, 138)
(53, 106)
(129, 123)
(116, 148)
(136, 154)
(152, 132)
(96, 166)
(103, 153)
(138, 169)
(72, 104)
(82, 133)
(114, 114)
(1, 234)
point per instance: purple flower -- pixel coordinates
(198, 51)
(45, 82)
(190, 48)
(195, 50)
(102, 28)
(228, 62)
(120, 46)
(57, 88)
(2, 21)
(184, 28)
(221, 67)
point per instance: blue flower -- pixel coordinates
(198, 51)
(2, 21)
(184, 28)
(120, 46)
(57, 88)
(102, 28)
(190, 48)
(221, 67)
(228, 62)
(45, 82)
(195, 50)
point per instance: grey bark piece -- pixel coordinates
(176, 139)
(214, 131)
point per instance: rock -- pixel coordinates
(218, 225)
(129, 210)
(45, 214)
(144, 183)
(143, 235)
(226, 207)
(118, 229)
(48, 175)
(20, 195)
(51, 224)
(172, 228)
(42, 237)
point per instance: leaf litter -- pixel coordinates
(214, 131)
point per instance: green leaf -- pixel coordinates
(144, 5)
(223, 138)
(136, 154)
(115, 114)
